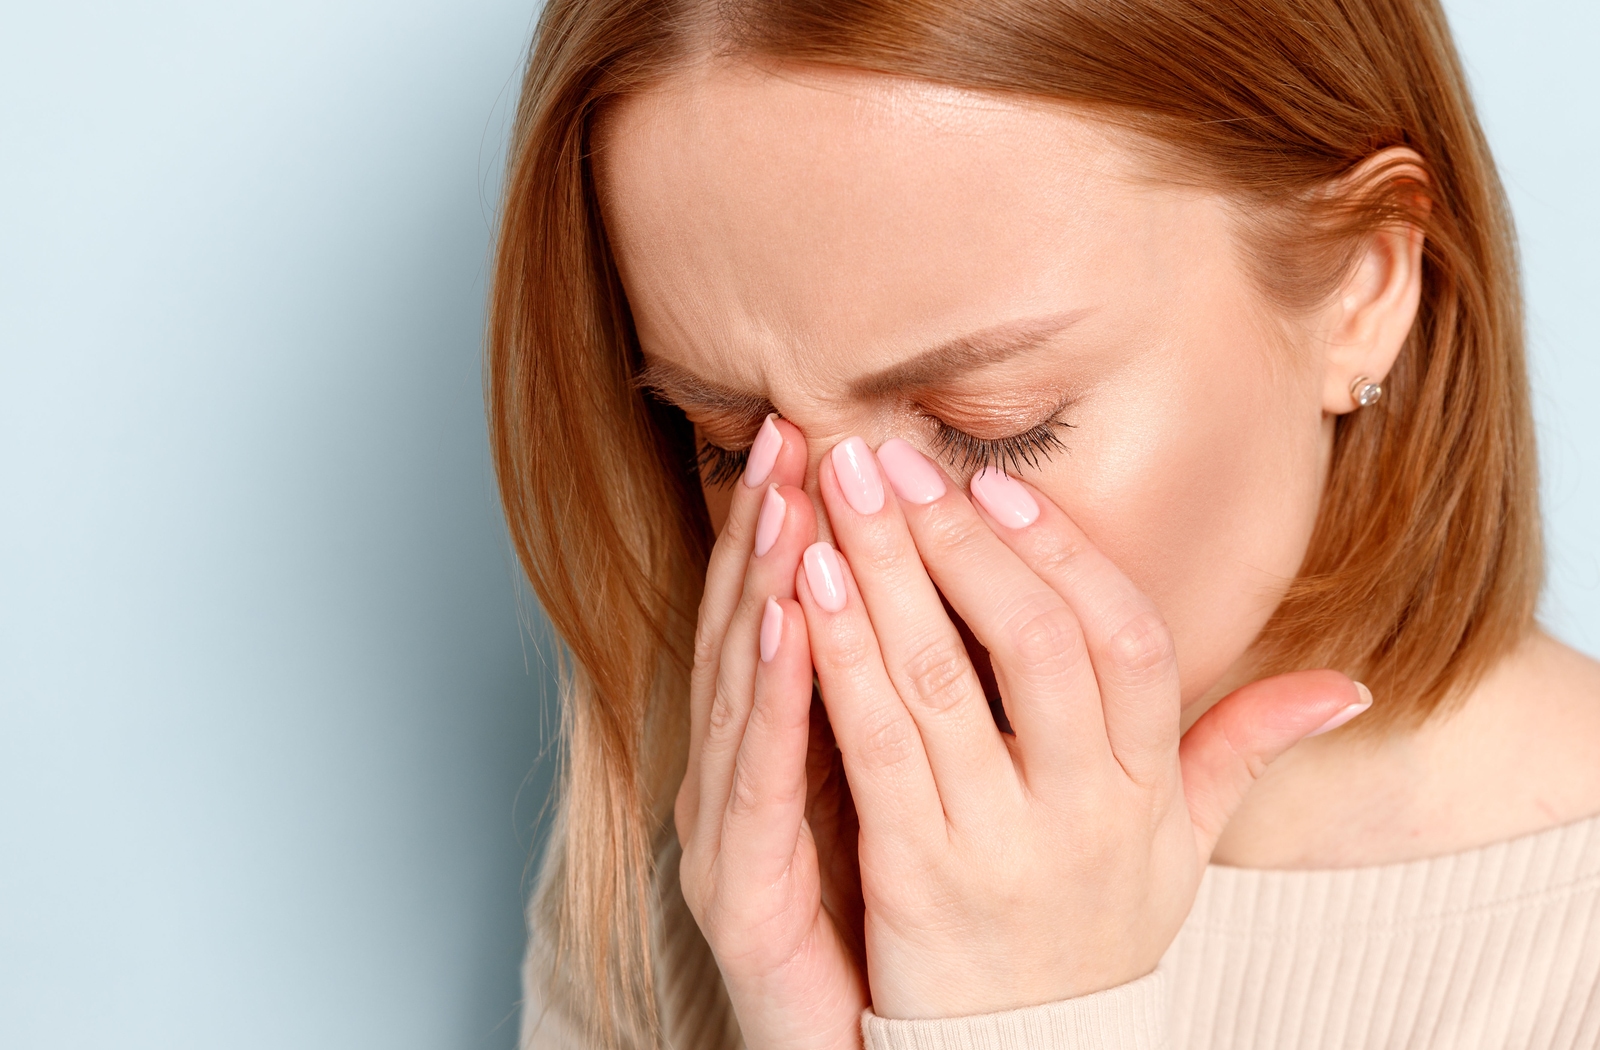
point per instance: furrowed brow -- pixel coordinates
(964, 353)
(938, 364)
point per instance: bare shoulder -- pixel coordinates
(1541, 710)
(1521, 755)
(1566, 681)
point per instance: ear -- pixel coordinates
(1366, 323)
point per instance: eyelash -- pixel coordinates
(1009, 454)
(718, 465)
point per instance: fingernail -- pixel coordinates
(763, 454)
(770, 523)
(771, 630)
(858, 476)
(915, 480)
(1005, 499)
(825, 576)
(1348, 713)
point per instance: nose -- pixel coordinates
(822, 431)
(817, 448)
(824, 425)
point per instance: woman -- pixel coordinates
(1085, 397)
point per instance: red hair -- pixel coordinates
(1425, 564)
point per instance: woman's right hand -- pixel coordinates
(783, 936)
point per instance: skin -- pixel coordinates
(876, 258)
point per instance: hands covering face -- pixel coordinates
(995, 870)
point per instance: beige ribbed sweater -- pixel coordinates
(1491, 947)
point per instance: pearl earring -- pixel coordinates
(1364, 391)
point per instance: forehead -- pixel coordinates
(767, 218)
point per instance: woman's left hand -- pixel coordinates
(1003, 871)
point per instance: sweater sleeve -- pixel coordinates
(1131, 1016)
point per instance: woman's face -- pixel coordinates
(870, 256)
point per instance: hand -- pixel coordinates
(768, 834)
(1001, 871)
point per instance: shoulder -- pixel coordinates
(1530, 736)
(1520, 754)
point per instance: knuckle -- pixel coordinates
(738, 530)
(744, 797)
(887, 742)
(1048, 639)
(707, 644)
(749, 792)
(1059, 562)
(1143, 645)
(749, 608)
(724, 709)
(877, 557)
(766, 723)
(1245, 756)
(937, 674)
(845, 650)
(1231, 765)
(954, 535)
(1255, 766)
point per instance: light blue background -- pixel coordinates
(265, 708)
(1533, 68)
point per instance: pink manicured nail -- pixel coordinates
(858, 476)
(771, 630)
(763, 454)
(770, 523)
(1348, 713)
(825, 576)
(915, 480)
(1005, 499)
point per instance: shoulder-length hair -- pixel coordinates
(1425, 563)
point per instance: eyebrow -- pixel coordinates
(966, 353)
(682, 387)
(940, 363)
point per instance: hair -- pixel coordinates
(1425, 562)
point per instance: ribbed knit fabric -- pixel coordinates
(1491, 947)
(1496, 947)
(1131, 1016)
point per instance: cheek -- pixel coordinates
(1202, 484)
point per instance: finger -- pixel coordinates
(884, 760)
(730, 555)
(923, 653)
(1034, 640)
(1128, 643)
(785, 526)
(725, 579)
(767, 800)
(1228, 749)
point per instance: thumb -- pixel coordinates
(1225, 752)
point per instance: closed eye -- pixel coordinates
(1031, 448)
(966, 452)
